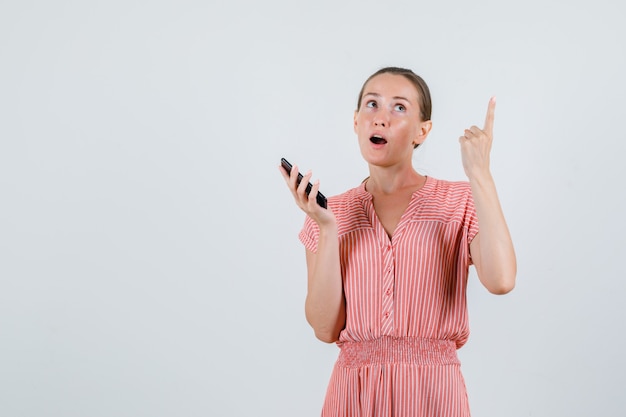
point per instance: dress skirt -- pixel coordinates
(397, 377)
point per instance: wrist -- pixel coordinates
(328, 229)
(480, 177)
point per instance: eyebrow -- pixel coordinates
(394, 97)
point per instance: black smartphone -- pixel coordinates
(321, 200)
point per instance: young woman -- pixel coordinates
(388, 260)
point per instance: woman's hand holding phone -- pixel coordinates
(307, 195)
(321, 199)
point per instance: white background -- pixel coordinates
(149, 261)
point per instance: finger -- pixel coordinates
(314, 191)
(475, 131)
(469, 133)
(489, 119)
(293, 178)
(303, 184)
(284, 173)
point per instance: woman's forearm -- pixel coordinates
(325, 302)
(493, 253)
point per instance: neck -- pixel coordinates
(387, 180)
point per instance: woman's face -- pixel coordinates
(388, 122)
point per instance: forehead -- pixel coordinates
(392, 85)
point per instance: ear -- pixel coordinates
(356, 113)
(423, 131)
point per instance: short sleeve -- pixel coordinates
(309, 235)
(470, 221)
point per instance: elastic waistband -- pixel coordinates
(387, 349)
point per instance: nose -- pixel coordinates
(381, 118)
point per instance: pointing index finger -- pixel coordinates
(491, 110)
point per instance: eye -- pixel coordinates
(399, 107)
(371, 104)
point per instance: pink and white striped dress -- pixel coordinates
(406, 312)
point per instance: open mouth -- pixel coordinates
(378, 140)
